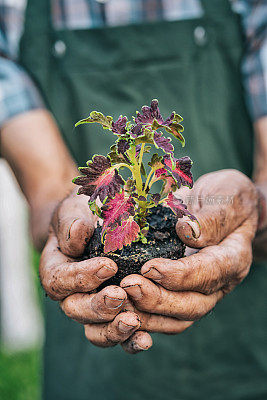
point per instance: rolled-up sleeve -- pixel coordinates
(18, 93)
(254, 67)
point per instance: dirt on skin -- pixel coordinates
(162, 242)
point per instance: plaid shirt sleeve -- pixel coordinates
(18, 93)
(254, 68)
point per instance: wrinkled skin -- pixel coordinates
(169, 295)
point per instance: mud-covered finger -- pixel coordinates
(139, 341)
(211, 268)
(73, 224)
(112, 333)
(224, 200)
(62, 276)
(160, 324)
(142, 340)
(152, 298)
(95, 308)
(157, 323)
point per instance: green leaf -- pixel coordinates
(143, 239)
(97, 117)
(131, 151)
(156, 161)
(155, 125)
(129, 186)
(116, 158)
(175, 130)
(146, 137)
(94, 208)
(177, 118)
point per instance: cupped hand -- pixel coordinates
(73, 283)
(188, 288)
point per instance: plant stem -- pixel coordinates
(138, 179)
(118, 166)
(136, 171)
(141, 153)
(148, 178)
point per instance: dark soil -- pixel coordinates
(162, 242)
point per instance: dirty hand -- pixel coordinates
(184, 290)
(73, 282)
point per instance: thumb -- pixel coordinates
(214, 224)
(225, 199)
(73, 223)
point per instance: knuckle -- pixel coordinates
(210, 287)
(145, 321)
(185, 271)
(245, 260)
(211, 283)
(193, 310)
(196, 313)
(83, 282)
(110, 338)
(158, 300)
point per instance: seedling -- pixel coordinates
(124, 204)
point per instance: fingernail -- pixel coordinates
(195, 227)
(134, 291)
(112, 302)
(69, 230)
(188, 229)
(105, 272)
(125, 327)
(153, 273)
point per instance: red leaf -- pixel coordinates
(117, 209)
(178, 207)
(122, 235)
(182, 171)
(169, 184)
(160, 173)
(99, 179)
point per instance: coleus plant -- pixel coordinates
(124, 205)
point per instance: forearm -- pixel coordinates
(32, 145)
(260, 179)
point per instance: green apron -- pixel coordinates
(193, 67)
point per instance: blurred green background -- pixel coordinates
(20, 375)
(20, 368)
